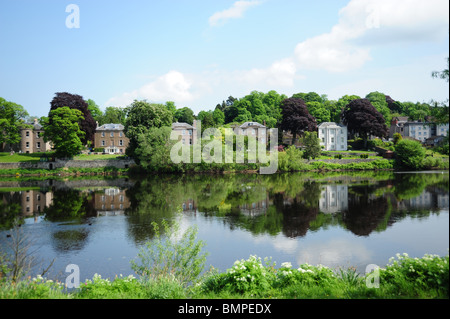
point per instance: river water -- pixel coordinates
(345, 219)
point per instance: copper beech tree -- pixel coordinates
(362, 118)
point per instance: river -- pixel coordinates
(345, 219)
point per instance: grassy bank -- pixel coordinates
(403, 277)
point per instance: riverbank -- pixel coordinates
(403, 278)
(117, 166)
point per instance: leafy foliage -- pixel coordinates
(296, 117)
(141, 116)
(180, 256)
(11, 120)
(363, 118)
(62, 129)
(409, 154)
(73, 101)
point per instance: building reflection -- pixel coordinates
(333, 199)
(111, 202)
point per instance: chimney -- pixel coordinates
(35, 121)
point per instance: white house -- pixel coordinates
(333, 136)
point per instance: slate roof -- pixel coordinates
(110, 127)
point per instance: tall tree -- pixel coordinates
(64, 131)
(141, 116)
(114, 114)
(74, 101)
(185, 115)
(378, 100)
(296, 118)
(12, 117)
(95, 110)
(362, 118)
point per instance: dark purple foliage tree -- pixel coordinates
(362, 118)
(296, 118)
(74, 101)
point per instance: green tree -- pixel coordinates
(378, 100)
(218, 117)
(207, 119)
(319, 111)
(409, 154)
(11, 120)
(113, 114)
(153, 150)
(74, 101)
(95, 110)
(64, 132)
(141, 116)
(184, 115)
(312, 145)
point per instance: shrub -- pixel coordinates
(408, 275)
(409, 154)
(166, 257)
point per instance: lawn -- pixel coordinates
(35, 157)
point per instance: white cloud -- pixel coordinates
(365, 23)
(172, 86)
(280, 74)
(236, 11)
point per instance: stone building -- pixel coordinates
(253, 129)
(420, 131)
(111, 138)
(32, 140)
(187, 132)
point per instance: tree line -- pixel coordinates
(72, 121)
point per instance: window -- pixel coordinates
(103, 143)
(120, 134)
(38, 134)
(184, 132)
(112, 134)
(27, 133)
(120, 142)
(38, 144)
(332, 140)
(27, 144)
(103, 134)
(190, 132)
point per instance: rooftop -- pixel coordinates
(110, 127)
(182, 125)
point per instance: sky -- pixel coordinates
(198, 53)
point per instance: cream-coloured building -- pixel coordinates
(187, 132)
(32, 140)
(333, 136)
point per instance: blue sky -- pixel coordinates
(197, 53)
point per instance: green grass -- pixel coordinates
(94, 157)
(35, 157)
(24, 157)
(403, 278)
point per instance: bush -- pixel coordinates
(166, 257)
(409, 154)
(408, 275)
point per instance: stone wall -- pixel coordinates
(69, 164)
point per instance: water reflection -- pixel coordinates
(288, 204)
